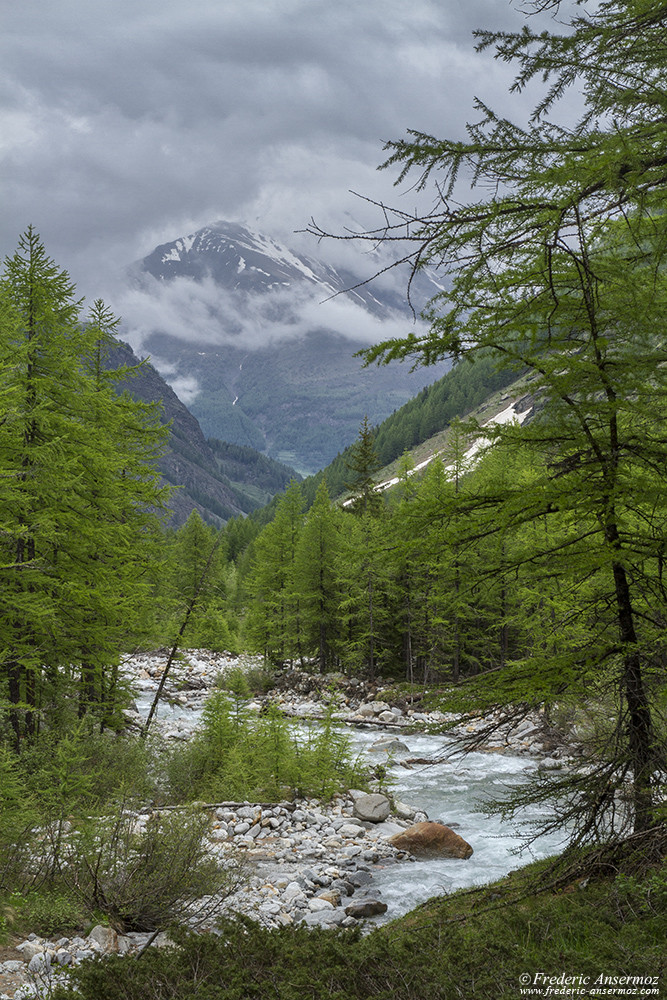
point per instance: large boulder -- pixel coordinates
(431, 840)
(373, 808)
(365, 908)
(105, 937)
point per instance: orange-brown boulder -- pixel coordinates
(431, 840)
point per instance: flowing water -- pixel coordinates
(454, 791)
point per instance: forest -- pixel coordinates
(522, 571)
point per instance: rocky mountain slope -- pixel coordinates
(206, 477)
(260, 341)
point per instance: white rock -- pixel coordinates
(352, 830)
(373, 808)
(316, 904)
(39, 965)
(104, 937)
(30, 948)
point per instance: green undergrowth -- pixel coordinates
(238, 755)
(593, 914)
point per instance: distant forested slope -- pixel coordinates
(456, 394)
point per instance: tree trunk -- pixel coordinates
(639, 726)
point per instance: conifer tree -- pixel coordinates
(362, 463)
(75, 491)
(316, 578)
(273, 623)
(561, 271)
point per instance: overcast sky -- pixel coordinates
(129, 123)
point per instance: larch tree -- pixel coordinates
(273, 623)
(560, 271)
(77, 494)
(316, 578)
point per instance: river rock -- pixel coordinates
(105, 937)
(387, 829)
(365, 908)
(352, 830)
(324, 918)
(373, 808)
(431, 840)
(330, 896)
(39, 965)
(30, 948)
(317, 903)
(389, 744)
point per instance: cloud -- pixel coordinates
(124, 125)
(201, 312)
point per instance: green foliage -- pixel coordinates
(325, 761)
(362, 463)
(20, 817)
(46, 912)
(238, 756)
(72, 772)
(561, 273)
(273, 625)
(476, 945)
(144, 879)
(194, 590)
(77, 504)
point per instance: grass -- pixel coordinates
(594, 914)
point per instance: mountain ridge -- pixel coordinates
(260, 341)
(190, 463)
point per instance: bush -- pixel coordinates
(46, 912)
(143, 879)
(81, 769)
(17, 828)
(250, 680)
(472, 944)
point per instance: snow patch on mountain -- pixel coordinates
(472, 455)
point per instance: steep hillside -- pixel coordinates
(260, 341)
(202, 479)
(420, 428)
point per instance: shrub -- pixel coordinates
(145, 878)
(80, 769)
(47, 911)
(238, 756)
(19, 821)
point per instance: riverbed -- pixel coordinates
(454, 790)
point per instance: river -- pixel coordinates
(454, 790)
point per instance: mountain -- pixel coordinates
(259, 341)
(212, 478)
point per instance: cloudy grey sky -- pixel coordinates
(129, 123)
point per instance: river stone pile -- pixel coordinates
(305, 695)
(45, 962)
(311, 856)
(312, 863)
